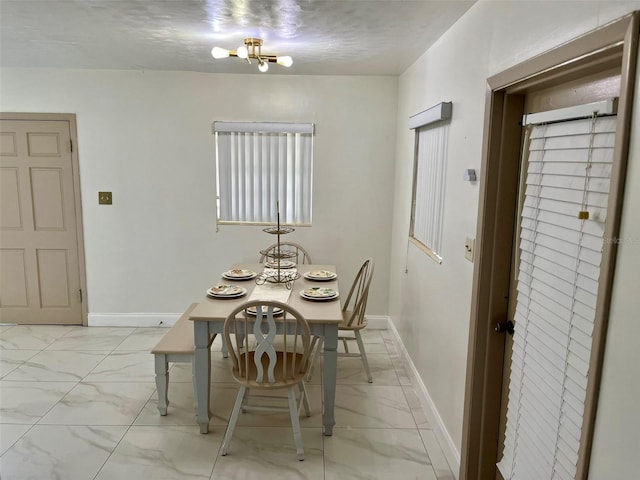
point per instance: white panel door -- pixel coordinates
(39, 257)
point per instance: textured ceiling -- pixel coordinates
(335, 37)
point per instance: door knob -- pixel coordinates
(502, 327)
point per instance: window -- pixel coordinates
(262, 168)
(427, 208)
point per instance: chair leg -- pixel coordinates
(162, 382)
(315, 357)
(232, 421)
(315, 340)
(225, 349)
(346, 345)
(295, 423)
(245, 400)
(363, 355)
(304, 401)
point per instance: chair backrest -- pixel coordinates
(288, 251)
(259, 326)
(356, 302)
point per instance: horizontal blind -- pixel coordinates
(569, 168)
(259, 170)
(429, 186)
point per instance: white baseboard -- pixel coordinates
(132, 319)
(435, 420)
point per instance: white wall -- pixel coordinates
(430, 303)
(146, 136)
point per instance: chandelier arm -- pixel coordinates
(254, 51)
(233, 53)
(267, 58)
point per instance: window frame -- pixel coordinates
(434, 117)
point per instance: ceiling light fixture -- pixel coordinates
(252, 49)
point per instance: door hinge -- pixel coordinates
(80, 295)
(71, 145)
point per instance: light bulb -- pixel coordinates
(285, 61)
(263, 67)
(242, 52)
(218, 52)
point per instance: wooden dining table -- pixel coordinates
(323, 317)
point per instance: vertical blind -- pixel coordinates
(262, 167)
(569, 167)
(428, 201)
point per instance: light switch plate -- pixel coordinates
(470, 248)
(105, 198)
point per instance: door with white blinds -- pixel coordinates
(561, 235)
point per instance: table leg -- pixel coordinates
(329, 373)
(202, 376)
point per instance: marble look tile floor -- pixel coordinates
(80, 403)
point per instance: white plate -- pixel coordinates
(252, 311)
(320, 275)
(283, 264)
(226, 291)
(318, 293)
(239, 274)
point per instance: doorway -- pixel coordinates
(609, 52)
(42, 273)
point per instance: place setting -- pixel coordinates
(319, 294)
(226, 291)
(239, 274)
(320, 275)
(253, 311)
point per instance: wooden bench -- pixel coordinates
(176, 346)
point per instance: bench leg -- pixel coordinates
(162, 382)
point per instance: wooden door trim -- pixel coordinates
(488, 302)
(75, 166)
(612, 228)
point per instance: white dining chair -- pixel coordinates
(277, 361)
(288, 250)
(353, 319)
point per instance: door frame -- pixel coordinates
(70, 118)
(614, 44)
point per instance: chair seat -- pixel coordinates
(346, 316)
(286, 358)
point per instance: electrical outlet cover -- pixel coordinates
(105, 198)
